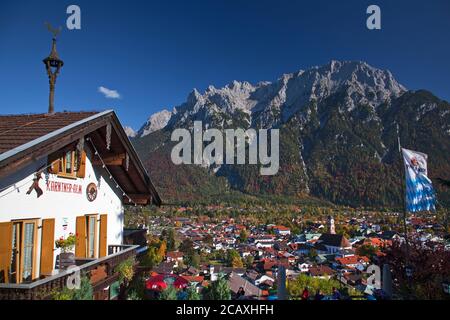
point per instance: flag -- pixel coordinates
(420, 195)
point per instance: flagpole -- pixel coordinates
(405, 228)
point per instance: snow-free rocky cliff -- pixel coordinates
(338, 133)
(271, 103)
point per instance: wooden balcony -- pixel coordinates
(100, 271)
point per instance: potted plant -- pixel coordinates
(66, 257)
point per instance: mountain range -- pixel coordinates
(338, 137)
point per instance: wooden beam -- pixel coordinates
(112, 160)
(142, 199)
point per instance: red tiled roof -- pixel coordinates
(352, 260)
(175, 254)
(281, 228)
(269, 263)
(16, 130)
(377, 242)
(194, 278)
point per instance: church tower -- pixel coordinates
(331, 228)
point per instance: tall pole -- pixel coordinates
(405, 228)
(53, 66)
(51, 97)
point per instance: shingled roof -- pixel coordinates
(16, 130)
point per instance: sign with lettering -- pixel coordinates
(65, 222)
(55, 186)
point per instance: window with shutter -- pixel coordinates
(92, 236)
(103, 235)
(70, 164)
(47, 245)
(81, 169)
(5, 250)
(80, 243)
(18, 251)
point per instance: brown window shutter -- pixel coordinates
(80, 244)
(82, 166)
(5, 250)
(103, 235)
(54, 168)
(47, 245)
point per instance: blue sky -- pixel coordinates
(155, 52)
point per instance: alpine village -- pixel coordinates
(85, 213)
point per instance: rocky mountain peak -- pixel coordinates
(273, 103)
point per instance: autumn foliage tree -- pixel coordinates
(430, 264)
(155, 253)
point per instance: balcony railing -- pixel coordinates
(43, 288)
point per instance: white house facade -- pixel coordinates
(71, 177)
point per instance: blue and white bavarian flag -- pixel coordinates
(419, 189)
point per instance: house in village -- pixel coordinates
(236, 281)
(334, 242)
(352, 262)
(60, 174)
(216, 270)
(304, 266)
(281, 230)
(65, 175)
(175, 256)
(321, 271)
(264, 279)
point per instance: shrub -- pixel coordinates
(170, 293)
(192, 293)
(85, 292)
(125, 270)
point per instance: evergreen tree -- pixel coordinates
(187, 247)
(194, 260)
(192, 293)
(171, 245)
(219, 289)
(170, 293)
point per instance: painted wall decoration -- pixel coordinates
(91, 191)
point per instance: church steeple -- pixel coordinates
(331, 228)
